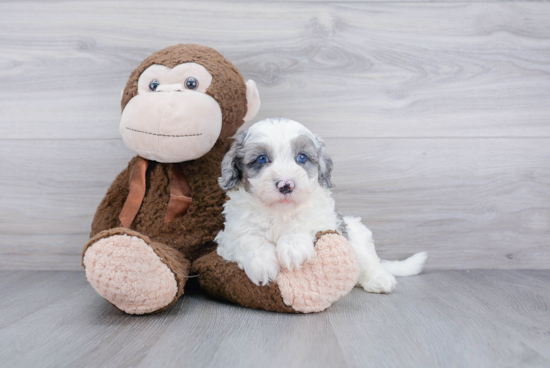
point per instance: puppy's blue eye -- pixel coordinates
(262, 159)
(301, 158)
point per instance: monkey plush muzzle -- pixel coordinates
(171, 124)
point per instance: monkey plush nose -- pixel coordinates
(178, 87)
(285, 186)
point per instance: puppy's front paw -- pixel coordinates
(293, 250)
(261, 267)
(378, 281)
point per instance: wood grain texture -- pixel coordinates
(450, 319)
(436, 114)
(477, 203)
(438, 319)
(485, 207)
(351, 70)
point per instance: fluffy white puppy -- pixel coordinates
(277, 175)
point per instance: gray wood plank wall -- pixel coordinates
(437, 115)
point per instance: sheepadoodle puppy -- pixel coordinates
(277, 177)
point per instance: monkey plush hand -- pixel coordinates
(164, 210)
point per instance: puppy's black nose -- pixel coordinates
(285, 186)
(285, 189)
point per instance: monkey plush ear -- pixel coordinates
(252, 100)
(232, 163)
(325, 165)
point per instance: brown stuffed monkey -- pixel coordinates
(163, 211)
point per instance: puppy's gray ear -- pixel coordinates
(232, 163)
(325, 165)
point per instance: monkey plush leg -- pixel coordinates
(133, 273)
(330, 274)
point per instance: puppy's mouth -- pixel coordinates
(286, 198)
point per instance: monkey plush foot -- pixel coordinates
(330, 274)
(134, 274)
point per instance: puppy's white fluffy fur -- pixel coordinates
(267, 228)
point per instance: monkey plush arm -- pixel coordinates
(106, 216)
(225, 280)
(330, 274)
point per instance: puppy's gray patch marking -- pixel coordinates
(303, 144)
(342, 229)
(232, 163)
(250, 154)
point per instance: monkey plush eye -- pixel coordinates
(262, 159)
(153, 85)
(191, 83)
(301, 158)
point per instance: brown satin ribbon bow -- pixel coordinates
(180, 194)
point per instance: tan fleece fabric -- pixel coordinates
(126, 271)
(329, 275)
(171, 126)
(134, 274)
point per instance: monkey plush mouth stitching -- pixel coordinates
(165, 135)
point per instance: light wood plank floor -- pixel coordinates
(438, 319)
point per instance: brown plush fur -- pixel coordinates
(190, 236)
(224, 280)
(192, 233)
